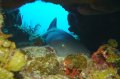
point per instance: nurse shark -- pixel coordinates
(62, 42)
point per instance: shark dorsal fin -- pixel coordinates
(53, 24)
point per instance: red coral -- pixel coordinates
(99, 57)
(72, 73)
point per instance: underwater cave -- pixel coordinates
(93, 27)
(36, 31)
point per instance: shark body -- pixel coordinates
(62, 42)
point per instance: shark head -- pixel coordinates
(62, 42)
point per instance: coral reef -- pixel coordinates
(106, 61)
(17, 61)
(108, 73)
(38, 51)
(1, 20)
(4, 74)
(44, 65)
(74, 64)
(42, 62)
(11, 59)
(34, 62)
(106, 54)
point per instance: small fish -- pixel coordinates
(62, 42)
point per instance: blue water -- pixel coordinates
(38, 15)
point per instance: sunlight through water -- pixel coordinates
(37, 16)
